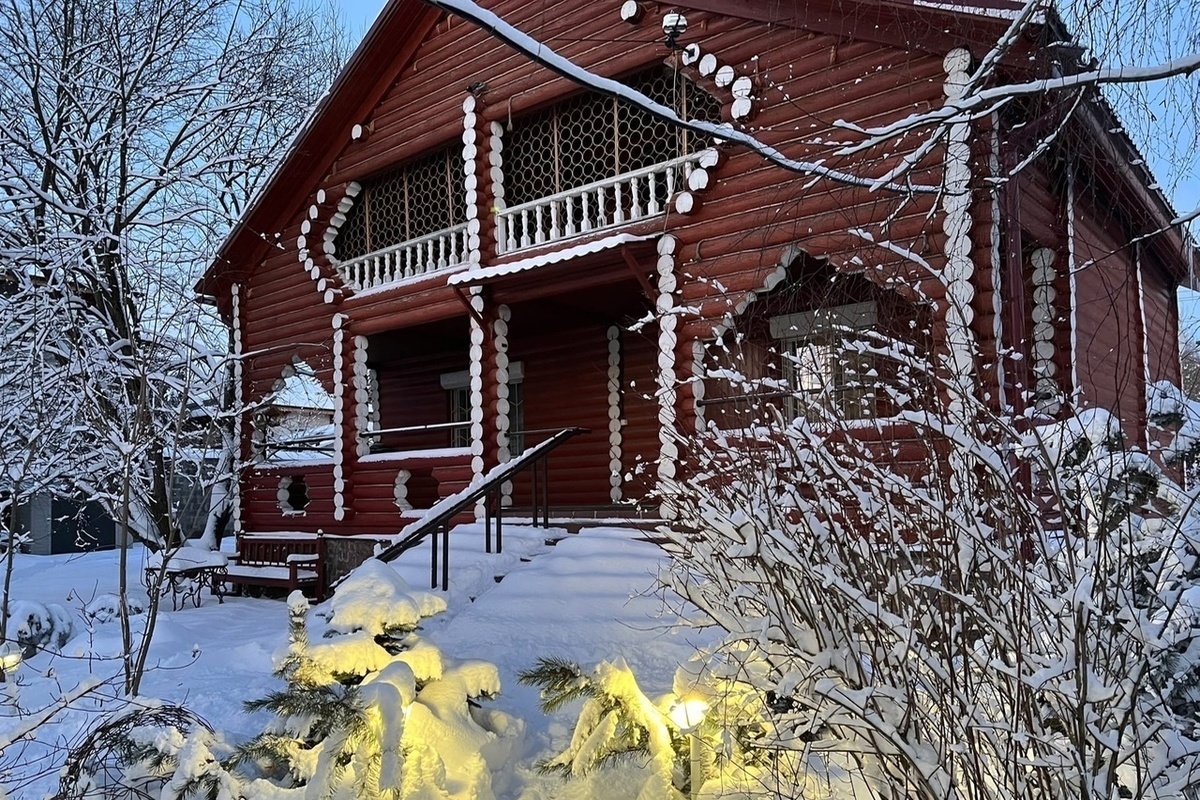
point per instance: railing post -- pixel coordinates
(433, 563)
(546, 491)
(499, 524)
(445, 555)
(533, 501)
(487, 522)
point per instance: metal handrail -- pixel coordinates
(438, 517)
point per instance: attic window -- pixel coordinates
(418, 198)
(594, 137)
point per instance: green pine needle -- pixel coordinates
(561, 681)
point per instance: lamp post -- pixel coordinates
(689, 715)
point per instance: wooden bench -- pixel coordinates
(278, 561)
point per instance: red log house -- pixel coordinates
(461, 242)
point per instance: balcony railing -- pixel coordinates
(626, 198)
(421, 256)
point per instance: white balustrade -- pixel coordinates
(430, 253)
(631, 197)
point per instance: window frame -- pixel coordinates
(848, 392)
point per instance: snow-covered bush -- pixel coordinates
(368, 709)
(107, 607)
(701, 739)
(371, 709)
(968, 609)
(148, 749)
(37, 626)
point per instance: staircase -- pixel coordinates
(489, 489)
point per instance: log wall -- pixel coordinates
(739, 231)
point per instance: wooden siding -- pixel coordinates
(1108, 318)
(749, 218)
(566, 380)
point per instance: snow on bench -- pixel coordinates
(289, 562)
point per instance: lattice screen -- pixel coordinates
(592, 137)
(418, 198)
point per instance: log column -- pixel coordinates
(242, 428)
(956, 222)
(345, 415)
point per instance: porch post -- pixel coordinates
(957, 223)
(349, 404)
(500, 392)
(242, 430)
(483, 392)
(614, 413)
(668, 339)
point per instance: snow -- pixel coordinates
(373, 596)
(586, 599)
(544, 259)
(416, 455)
(187, 558)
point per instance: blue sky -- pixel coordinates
(1185, 192)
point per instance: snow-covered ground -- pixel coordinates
(589, 598)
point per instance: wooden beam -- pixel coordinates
(638, 273)
(466, 301)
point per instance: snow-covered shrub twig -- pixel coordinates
(933, 624)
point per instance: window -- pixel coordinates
(419, 198)
(458, 400)
(826, 366)
(292, 495)
(593, 137)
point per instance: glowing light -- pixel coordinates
(688, 714)
(10, 658)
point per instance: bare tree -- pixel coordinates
(131, 134)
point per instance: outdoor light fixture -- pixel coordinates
(689, 715)
(674, 24)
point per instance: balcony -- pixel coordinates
(634, 196)
(421, 256)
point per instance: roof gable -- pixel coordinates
(394, 40)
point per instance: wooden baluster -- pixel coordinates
(618, 199)
(635, 208)
(586, 224)
(555, 233)
(430, 257)
(570, 204)
(652, 206)
(501, 235)
(670, 183)
(601, 217)
(538, 235)
(525, 240)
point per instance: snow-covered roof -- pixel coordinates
(543, 259)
